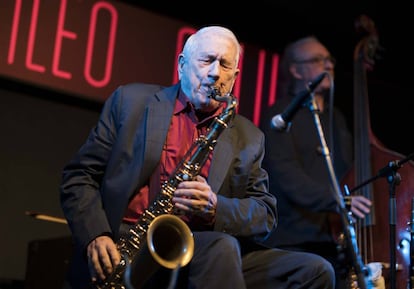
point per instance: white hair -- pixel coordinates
(192, 41)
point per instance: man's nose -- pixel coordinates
(215, 68)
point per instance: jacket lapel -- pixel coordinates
(158, 118)
(222, 157)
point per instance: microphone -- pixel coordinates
(282, 121)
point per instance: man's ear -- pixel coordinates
(180, 61)
(293, 69)
(180, 65)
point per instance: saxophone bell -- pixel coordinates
(169, 244)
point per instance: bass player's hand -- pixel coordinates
(360, 206)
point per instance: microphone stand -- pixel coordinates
(394, 179)
(361, 270)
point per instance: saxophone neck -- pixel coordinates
(229, 108)
(231, 101)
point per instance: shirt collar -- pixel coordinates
(182, 104)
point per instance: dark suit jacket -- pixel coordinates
(299, 176)
(123, 149)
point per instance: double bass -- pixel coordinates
(375, 232)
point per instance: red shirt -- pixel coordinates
(184, 130)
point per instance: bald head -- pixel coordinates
(211, 33)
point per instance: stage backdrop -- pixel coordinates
(55, 51)
(87, 48)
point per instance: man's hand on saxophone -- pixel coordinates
(196, 198)
(103, 255)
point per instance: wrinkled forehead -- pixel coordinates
(221, 46)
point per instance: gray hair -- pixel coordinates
(192, 41)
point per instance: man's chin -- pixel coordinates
(210, 106)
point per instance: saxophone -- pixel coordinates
(160, 238)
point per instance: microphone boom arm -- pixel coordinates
(283, 121)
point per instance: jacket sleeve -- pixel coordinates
(245, 208)
(82, 176)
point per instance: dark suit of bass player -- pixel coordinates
(142, 134)
(297, 168)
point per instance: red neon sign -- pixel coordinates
(88, 48)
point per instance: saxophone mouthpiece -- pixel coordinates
(215, 92)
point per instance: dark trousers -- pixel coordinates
(221, 262)
(334, 254)
(218, 263)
